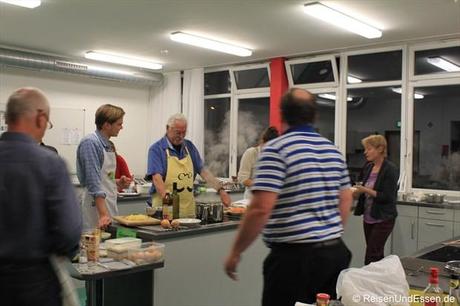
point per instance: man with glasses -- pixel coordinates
(96, 165)
(174, 159)
(39, 212)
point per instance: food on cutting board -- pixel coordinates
(165, 224)
(237, 210)
(175, 223)
(137, 217)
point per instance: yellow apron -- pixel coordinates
(181, 172)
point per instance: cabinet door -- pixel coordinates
(434, 231)
(405, 236)
(353, 236)
(457, 229)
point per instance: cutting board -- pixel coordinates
(148, 221)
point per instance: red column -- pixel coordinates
(278, 86)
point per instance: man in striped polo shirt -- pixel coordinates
(301, 202)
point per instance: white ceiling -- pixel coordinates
(270, 27)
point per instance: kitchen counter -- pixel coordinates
(417, 267)
(455, 206)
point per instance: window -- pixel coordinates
(375, 110)
(375, 67)
(437, 61)
(217, 82)
(253, 118)
(436, 154)
(319, 71)
(326, 114)
(217, 135)
(252, 78)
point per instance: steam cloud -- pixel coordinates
(217, 142)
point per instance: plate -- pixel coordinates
(128, 194)
(189, 222)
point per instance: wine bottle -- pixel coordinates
(175, 202)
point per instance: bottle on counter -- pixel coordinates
(168, 207)
(432, 295)
(175, 201)
(454, 291)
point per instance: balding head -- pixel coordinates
(298, 106)
(27, 111)
(25, 102)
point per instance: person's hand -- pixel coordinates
(359, 189)
(230, 265)
(124, 182)
(104, 221)
(225, 198)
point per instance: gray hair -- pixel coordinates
(176, 117)
(25, 101)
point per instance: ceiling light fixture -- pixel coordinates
(332, 97)
(443, 64)
(334, 17)
(122, 60)
(416, 95)
(353, 80)
(206, 43)
(24, 3)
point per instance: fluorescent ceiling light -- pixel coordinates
(122, 60)
(202, 42)
(353, 80)
(332, 97)
(416, 95)
(443, 64)
(24, 3)
(341, 20)
(109, 70)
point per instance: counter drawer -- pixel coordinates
(434, 231)
(437, 213)
(407, 210)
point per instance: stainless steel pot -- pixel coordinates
(434, 197)
(210, 212)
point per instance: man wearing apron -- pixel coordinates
(173, 159)
(96, 163)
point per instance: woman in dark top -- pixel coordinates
(377, 196)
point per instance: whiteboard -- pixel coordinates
(68, 129)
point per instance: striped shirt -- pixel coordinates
(307, 172)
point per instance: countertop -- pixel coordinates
(427, 204)
(157, 233)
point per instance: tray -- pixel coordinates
(148, 221)
(128, 194)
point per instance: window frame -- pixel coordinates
(313, 59)
(238, 68)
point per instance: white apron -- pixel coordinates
(247, 190)
(89, 210)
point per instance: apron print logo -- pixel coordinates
(183, 176)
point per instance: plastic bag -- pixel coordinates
(379, 283)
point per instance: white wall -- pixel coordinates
(67, 91)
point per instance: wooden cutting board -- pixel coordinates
(147, 221)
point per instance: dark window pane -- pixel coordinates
(216, 135)
(216, 83)
(436, 156)
(375, 67)
(372, 111)
(253, 118)
(252, 78)
(426, 60)
(326, 115)
(315, 72)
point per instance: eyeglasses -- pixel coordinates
(49, 123)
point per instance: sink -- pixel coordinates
(444, 254)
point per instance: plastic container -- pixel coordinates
(148, 252)
(118, 248)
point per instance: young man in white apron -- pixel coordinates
(96, 164)
(173, 159)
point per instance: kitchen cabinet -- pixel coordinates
(435, 225)
(405, 232)
(353, 236)
(456, 229)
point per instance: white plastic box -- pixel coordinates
(148, 252)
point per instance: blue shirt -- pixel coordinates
(157, 157)
(307, 172)
(39, 211)
(90, 158)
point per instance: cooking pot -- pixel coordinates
(210, 212)
(434, 197)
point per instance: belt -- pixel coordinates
(312, 245)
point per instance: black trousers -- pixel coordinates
(376, 236)
(297, 272)
(29, 284)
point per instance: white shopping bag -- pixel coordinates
(379, 283)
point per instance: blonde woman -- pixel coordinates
(377, 196)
